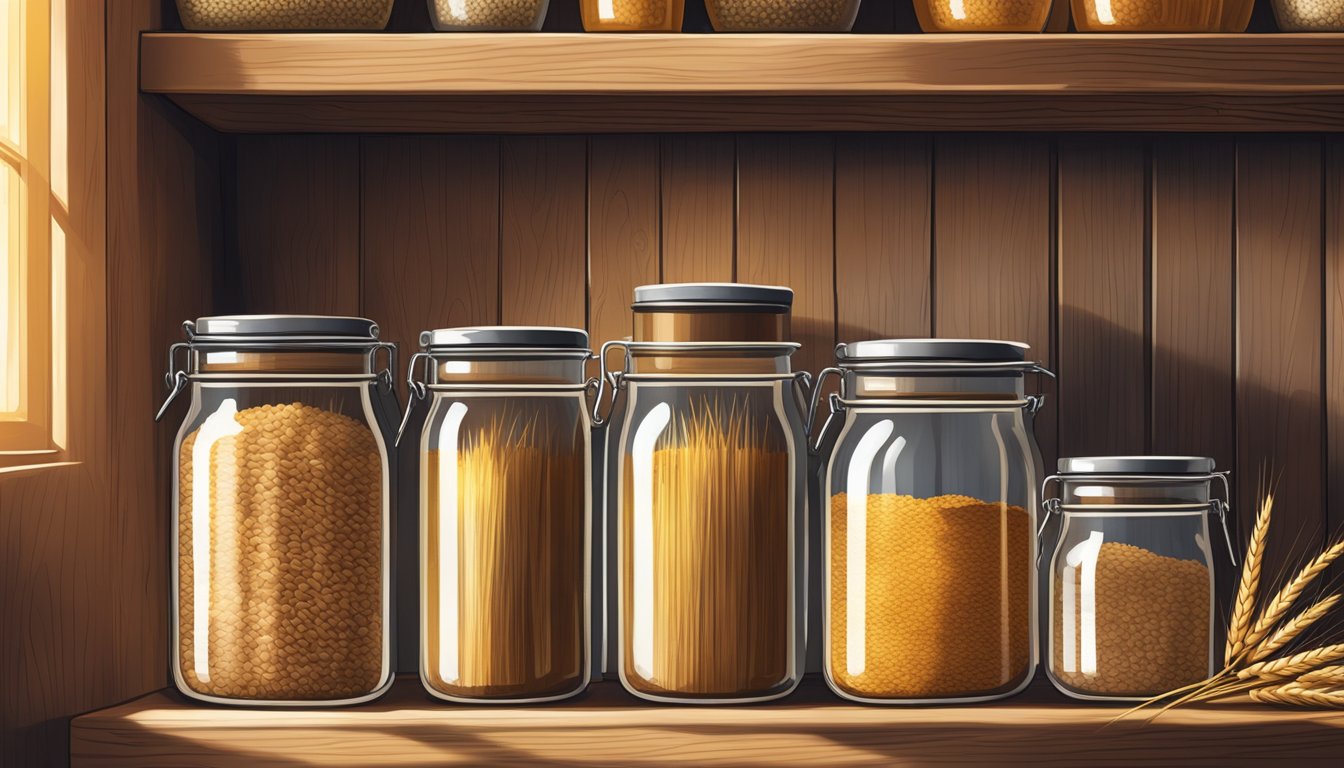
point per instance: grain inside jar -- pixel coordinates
(292, 15)
(982, 15)
(488, 15)
(1309, 15)
(520, 527)
(947, 606)
(718, 616)
(782, 15)
(1148, 632)
(632, 15)
(1148, 15)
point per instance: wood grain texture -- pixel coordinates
(298, 225)
(430, 250)
(738, 64)
(1103, 359)
(1279, 340)
(543, 235)
(1333, 231)
(608, 727)
(882, 236)
(971, 111)
(623, 229)
(785, 228)
(992, 246)
(699, 188)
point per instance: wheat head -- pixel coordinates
(1243, 610)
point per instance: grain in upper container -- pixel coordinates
(311, 15)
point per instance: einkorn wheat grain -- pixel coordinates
(489, 14)
(284, 14)
(781, 15)
(296, 558)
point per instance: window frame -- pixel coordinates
(27, 433)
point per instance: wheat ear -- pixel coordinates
(1291, 629)
(1292, 666)
(1296, 695)
(1244, 608)
(1333, 675)
(1284, 600)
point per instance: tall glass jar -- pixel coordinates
(1132, 578)
(281, 499)
(707, 470)
(930, 542)
(505, 499)
(632, 15)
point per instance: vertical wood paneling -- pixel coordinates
(1279, 339)
(785, 228)
(543, 240)
(1334, 332)
(623, 229)
(298, 225)
(882, 247)
(1103, 376)
(1193, 327)
(430, 245)
(992, 246)
(698, 193)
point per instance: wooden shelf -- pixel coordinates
(658, 82)
(608, 727)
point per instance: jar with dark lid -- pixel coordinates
(1132, 577)
(929, 535)
(505, 500)
(707, 468)
(281, 499)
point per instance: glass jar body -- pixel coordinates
(1131, 589)
(794, 16)
(1148, 15)
(632, 15)
(708, 480)
(505, 517)
(982, 15)
(281, 540)
(488, 15)
(930, 553)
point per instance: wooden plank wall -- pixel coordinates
(1188, 290)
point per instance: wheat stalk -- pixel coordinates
(1333, 675)
(1292, 666)
(1244, 608)
(1284, 600)
(1296, 695)
(1291, 629)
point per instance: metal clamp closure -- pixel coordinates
(834, 401)
(613, 377)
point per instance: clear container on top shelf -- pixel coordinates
(707, 473)
(632, 15)
(782, 15)
(1153, 15)
(306, 16)
(930, 538)
(505, 500)
(488, 15)
(281, 499)
(983, 15)
(1132, 577)
(1309, 15)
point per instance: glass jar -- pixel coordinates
(1237, 15)
(930, 548)
(488, 15)
(281, 497)
(983, 15)
(782, 15)
(1148, 15)
(1131, 580)
(707, 469)
(1309, 15)
(632, 15)
(311, 15)
(505, 500)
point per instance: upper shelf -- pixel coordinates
(584, 82)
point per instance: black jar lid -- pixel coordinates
(933, 350)
(711, 295)
(238, 328)
(504, 336)
(1136, 465)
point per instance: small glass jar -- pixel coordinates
(707, 468)
(782, 15)
(632, 15)
(281, 499)
(310, 15)
(983, 15)
(1132, 577)
(1309, 15)
(930, 547)
(1148, 15)
(488, 15)
(505, 513)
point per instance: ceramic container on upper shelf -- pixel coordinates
(256, 15)
(282, 491)
(782, 15)
(1309, 15)
(488, 15)
(1132, 577)
(1148, 15)
(632, 15)
(983, 15)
